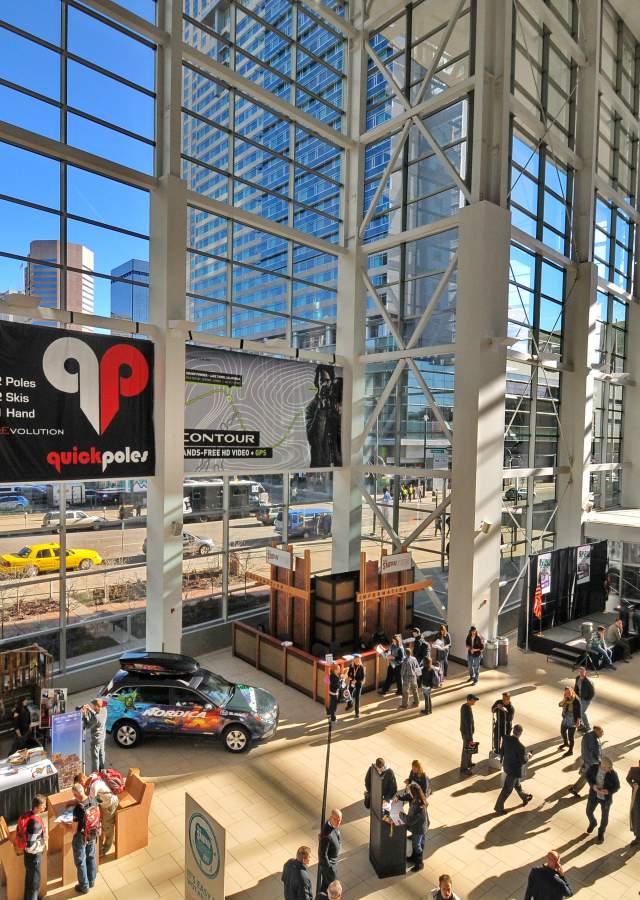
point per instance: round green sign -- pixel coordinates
(204, 845)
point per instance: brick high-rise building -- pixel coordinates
(45, 280)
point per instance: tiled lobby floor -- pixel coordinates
(270, 799)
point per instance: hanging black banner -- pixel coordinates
(74, 405)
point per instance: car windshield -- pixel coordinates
(26, 551)
(217, 689)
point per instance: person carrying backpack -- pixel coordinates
(86, 824)
(31, 836)
(103, 789)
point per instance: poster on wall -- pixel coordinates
(53, 702)
(584, 564)
(74, 405)
(66, 746)
(204, 853)
(544, 572)
(250, 413)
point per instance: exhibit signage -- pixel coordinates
(53, 702)
(544, 572)
(204, 854)
(74, 405)
(583, 564)
(281, 558)
(66, 747)
(398, 562)
(252, 413)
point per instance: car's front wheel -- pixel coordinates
(85, 564)
(204, 550)
(236, 738)
(126, 734)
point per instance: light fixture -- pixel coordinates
(26, 301)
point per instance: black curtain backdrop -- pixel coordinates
(567, 600)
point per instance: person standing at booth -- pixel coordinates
(21, 723)
(467, 728)
(585, 691)
(475, 649)
(444, 639)
(395, 657)
(417, 823)
(503, 711)
(336, 686)
(389, 783)
(329, 849)
(31, 836)
(101, 793)
(86, 825)
(355, 680)
(409, 674)
(430, 681)
(94, 718)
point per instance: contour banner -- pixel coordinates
(74, 405)
(247, 413)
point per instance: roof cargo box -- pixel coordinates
(158, 663)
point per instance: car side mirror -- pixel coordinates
(208, 706)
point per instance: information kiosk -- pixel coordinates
(387, 842)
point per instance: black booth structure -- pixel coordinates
(574, 592)
(387, 842)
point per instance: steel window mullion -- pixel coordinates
(112, 75)
(29, 36)
(91, 118)
(98, 224)
(112, 23)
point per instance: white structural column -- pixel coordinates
(579, 337)
(167, 303)
(631, 423)
(350, 342)
(478, 420)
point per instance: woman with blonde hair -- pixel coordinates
(417, 775)
(570, 706)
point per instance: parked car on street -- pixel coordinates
(267, 514)
(74, 518)
(168, 693)
(13, 503)
(192, 545)
(35, 559)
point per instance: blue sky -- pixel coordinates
(36, 179)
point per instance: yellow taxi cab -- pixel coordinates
(37, 558)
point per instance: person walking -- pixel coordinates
(548, 882)
(101, 793)
(430, 681)
(355, 681)
(503, 713)
(31, 836)
(475, 648)
(443, 646)
(329, 849)
(604, 782)
(336, 686)
(597, 647)
(86, 827)
(570, 706)
(615, 639)
(585, 691)
(395, 656)
(633, 780)
(295, 876)
(591, 753)
(94, 718)
(467, 728)
(416, 820)
(417, 775)
(409, 674)
(444, 891)
(389, 783)
(514, 758)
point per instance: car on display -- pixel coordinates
(192, 545)
(168, 693)
(74, 518)
(267, 514)
(13, 502)
(35, 559)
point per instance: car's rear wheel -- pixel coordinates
(204, 550)
(126, 734)
(85, 564)
(97, 526)
(236, 738)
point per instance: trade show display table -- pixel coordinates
(20, 783)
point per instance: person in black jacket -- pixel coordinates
(336, 686)
(329, 849)
(591, 753)
(417, 822)
(295, 876)
(548, 882)
(355, 681)
(585, 692)
(604, 782)
(570, 719)
(514, 756)
(430, 681)
(466, 730)
(503, 713)
(421, 649)
(475, 648)
(389, 784)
